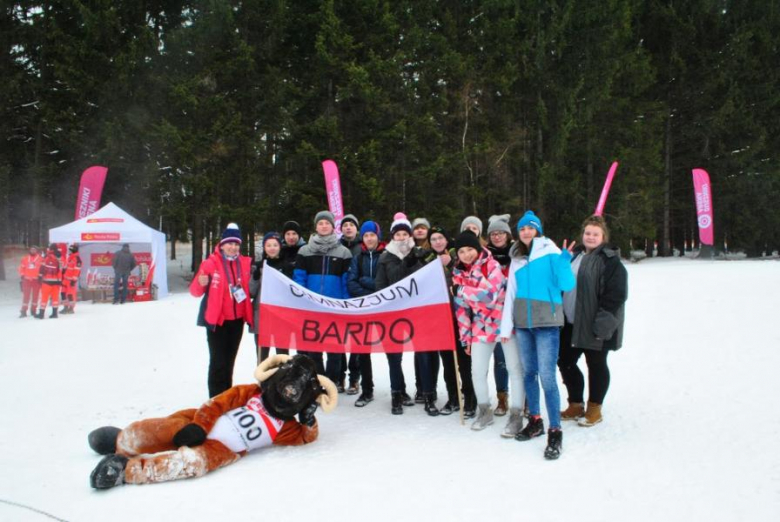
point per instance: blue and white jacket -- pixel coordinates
(535, 285)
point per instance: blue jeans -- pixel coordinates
(397, 382)
(539, 354)
(124, 279)
(499, 369)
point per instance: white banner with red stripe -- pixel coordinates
(413, 314)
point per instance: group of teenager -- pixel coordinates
(527, 304)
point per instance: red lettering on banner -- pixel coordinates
(105, 220)
(424, 328)
(100, 236)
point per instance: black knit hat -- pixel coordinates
(468, 239)
(436, 229)
(292, 225)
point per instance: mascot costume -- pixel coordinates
(191, 443)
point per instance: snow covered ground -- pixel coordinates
(691, 426)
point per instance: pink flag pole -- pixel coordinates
(605, 191)
(704, 215)
(90, 191)
(333, 190)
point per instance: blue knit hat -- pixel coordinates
(371, 226)
(231, 234)
(272, 235)
(530, 219)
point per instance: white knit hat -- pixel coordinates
(400, 222)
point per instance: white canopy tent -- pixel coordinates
(104, 232)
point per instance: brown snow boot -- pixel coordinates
(573, 412)
(592, 415)
(500, 410)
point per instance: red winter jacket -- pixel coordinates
(220, 305)
(50, 272)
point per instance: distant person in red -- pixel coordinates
(70, 280)
(123, 264)
(223, 281)
(28, 271)
(50, 276)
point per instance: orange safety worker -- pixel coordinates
(70, 280)
(50, 276)
(28, 272)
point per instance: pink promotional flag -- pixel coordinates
(413, 314)
(333, 189)
(90, 190)
(703, 192)
(605, 191)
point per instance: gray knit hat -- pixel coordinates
(499, 224)
(471, 220)
(351, 217)
(324, 214)
(421, 222)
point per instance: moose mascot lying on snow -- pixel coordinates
(190, 443)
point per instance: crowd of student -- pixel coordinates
(529, 305)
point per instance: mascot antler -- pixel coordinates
(330, 398)
(270, 366)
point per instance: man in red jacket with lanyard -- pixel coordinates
(28, 271)
(223, 281)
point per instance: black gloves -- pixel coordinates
(190, 435)
(414, 257)
(258, 271)
(306, 417)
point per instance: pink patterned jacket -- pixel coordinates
(479, 299)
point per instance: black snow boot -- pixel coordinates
(39, 315)
(554, 444)
(64, 310)
(407, 401)
(53, 314)
(430, 404)
(534, 428)
(23, 313)
(364, 399)
(469, 406)
(109, 472)
(450, 407)
(397, 405)
(418, 397)
(103, 440)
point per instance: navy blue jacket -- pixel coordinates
(362, 271)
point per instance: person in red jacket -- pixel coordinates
(50, 276)
(193, 442)
(70, 280)
(29, 269)
(223, 281)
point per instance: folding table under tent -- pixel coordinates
(104, 232)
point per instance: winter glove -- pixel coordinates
(306, 417)
(414, 257)
(190, 435)
(257, 272)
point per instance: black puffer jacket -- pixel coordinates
(391, 268)
(602, 290)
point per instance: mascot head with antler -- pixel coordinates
(290, 384)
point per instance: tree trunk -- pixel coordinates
(664, 246)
